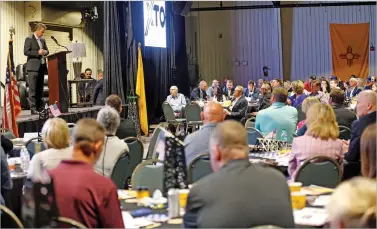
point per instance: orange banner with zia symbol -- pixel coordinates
(350, 50)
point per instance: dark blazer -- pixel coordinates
(254, 95)
(195, 94)
(31, 49)
(240, 195)
(358, 127)
(98, 98)
(239, 109)
(264, 101)
(86, 89)
(356, 91)
(126, 129)
(344, 117)
(225, 92)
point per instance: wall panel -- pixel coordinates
(311, 45)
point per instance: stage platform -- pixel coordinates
(30, 123)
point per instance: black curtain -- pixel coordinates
(163, 67)
(113, 52)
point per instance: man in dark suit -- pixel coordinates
(251, 91)
(354, 89)
(86, 89)
(98, 98)
(229, 89)
(36, 50)
(199, 92)
(344, 117)
(237, 110)
(366, 111)
(126, 127)
(238, 194)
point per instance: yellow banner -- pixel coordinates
(140, 91)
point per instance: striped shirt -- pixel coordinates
(306, 146)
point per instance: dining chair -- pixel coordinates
(149, 173)
(319, 170)
(250, 123)
(152, 143)
(344, 132)
(253, 135)
(6, 213)
(120, 172)
(136, 151)
(35, 145)
(192, 114)
(170, 117)
(70, 222)
(199, 167)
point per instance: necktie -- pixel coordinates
(40, 46)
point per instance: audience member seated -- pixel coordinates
(353, 90)
(316, 92)
(82, 194)
(6, 180)
(264, 100)
(288, 86)
(321, 138)
(260, 83)
(278, 117)
(298, 97)
(238, 108)
(307, 84)
(176, 100)
(276, 83)
(353, 204)
(251, 91)
(334, 84)
(308, 102)
(55, 135)
(199, 93)
(210, 90)
(237, 193)
(126, 127)
(113, 148)
(98, 98)
(218, 95)
(366, 111)
(229, 89)
(344, 116)
(368, 152)
(325, 86)
(197, 142)
(85, 90)
(370, 81)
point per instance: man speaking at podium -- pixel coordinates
(36, 50)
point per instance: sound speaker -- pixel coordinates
(182, 8)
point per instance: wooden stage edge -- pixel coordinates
(26, 115)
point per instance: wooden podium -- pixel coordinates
(57, 80)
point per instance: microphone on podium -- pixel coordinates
(56, 41)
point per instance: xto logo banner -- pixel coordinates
(154, 23)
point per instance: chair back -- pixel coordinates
(265, 227)
(199, 167)
(149, 173)
(192, 112)
(344, 133)
(250, 123)
(35, 145)
(136, 153)
(119, 174)
(9, 219)
(320, 170)
(67, 221)
(300, 114)
(152, 144)
(168, 112)
(252, 135)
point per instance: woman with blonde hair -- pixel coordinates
(55, 135)
(299, 96)
(308, 102)
(321, 138)
(353, 204)
(368, 152)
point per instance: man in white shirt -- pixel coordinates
(210, 90)
(176, 100)
(354, 89)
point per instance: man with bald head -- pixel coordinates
(238, 194)
(366, 111)
(197, 142)
(199, 93)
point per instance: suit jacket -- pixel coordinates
(254, 95)
(264, 101)
(344, 117)
(31, 48)
(225, 92)
(98, 98)
(240, 195)
(239, 109)
(358, 127)
(195, 94)
(354, 92)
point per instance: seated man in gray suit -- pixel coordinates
(238, 194)
(197, 142)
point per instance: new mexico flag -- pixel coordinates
(140, 91)
(350, 50)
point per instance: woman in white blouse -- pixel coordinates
(55, 135)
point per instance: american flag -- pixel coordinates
(54, 110)
(12, 105)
